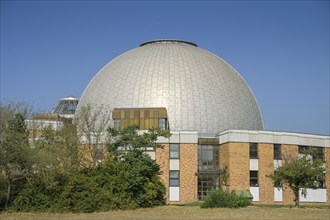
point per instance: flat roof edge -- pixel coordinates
(274, 137)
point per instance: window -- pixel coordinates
(277, 152)
(117, 123)
(254, 178)
(207, 182)
(253, 151)
(208, 157)
(174, 151)
(321, 182)
(174, 178)
(302, 149)
(319, 153)
(162, 123)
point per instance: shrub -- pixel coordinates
(220, 198)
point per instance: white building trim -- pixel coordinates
(274, 137)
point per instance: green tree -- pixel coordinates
(57, 151)
(125, 179)
(303, 172)
(16, 156)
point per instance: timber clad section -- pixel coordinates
(145, 118)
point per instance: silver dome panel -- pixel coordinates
(200, 91)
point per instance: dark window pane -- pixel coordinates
(253, 178)
(253, 151)
(174, 182)
(277, 152)
(174, 174)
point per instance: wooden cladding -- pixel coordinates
(145, 118)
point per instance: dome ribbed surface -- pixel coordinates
(200, 91)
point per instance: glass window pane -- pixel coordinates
(174, 147)
(174, 154)
(277, 152)
(174, 182)
(210, 155)
(174, 174)
(253, 150)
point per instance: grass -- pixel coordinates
(184, 212)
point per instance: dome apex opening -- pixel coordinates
(168, 41)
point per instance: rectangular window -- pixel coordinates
(301, 149)
(321, 182)
(174, 178)
(162, 123)
(253, 150)
(117, 123)
(174, 151)
(319, 153)
(277, 152)
(254, 178)
(208, 157)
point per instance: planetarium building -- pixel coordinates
(213, 116)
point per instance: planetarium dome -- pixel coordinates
(200, 91)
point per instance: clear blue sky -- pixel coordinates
(52, 49)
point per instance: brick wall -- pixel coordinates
(224, 158)
(162, 158)
(188, 172)
(236, 157)
(327, 172)
(266, 167)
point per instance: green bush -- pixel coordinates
(221, 198)
(126, 183)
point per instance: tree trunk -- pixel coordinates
(296, 198)
(8, 194)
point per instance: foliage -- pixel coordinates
(221, 198)
(300, 173)
(224, 177)
(16, 156)
(124, 180)
(128, 138)
(57, 151)
(41, 194)
(115, 184)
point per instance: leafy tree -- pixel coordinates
(16, 156)
(123, 180)
(129, 139)
(303, 172)
(57, 151)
